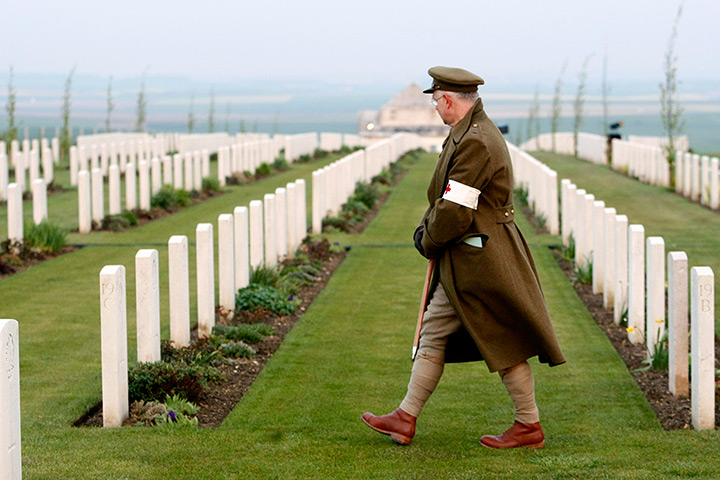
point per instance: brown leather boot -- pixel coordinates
(528, 435)
(399, 424)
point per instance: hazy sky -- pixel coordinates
(359, 42)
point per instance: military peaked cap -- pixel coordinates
(452, 79)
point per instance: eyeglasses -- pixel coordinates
(434, 100)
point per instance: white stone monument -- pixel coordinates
(147, 301)
(678, 368)
(609, 278)
(270, 232)
(636, 283)
(98, 200)
(256, 234)
(115, 205)
(39, 192)
(655, 281)
(178, 269)
(10, 449)
(113, 321)
(130, 186)
(205, 270)
(281, 220)
(226, 263)
(84, 202)
(242, 247)
(598, 250)
(702, 315)
(144, 184)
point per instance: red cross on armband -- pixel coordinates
(447, 190)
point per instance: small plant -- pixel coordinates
(384, 178)
(583, 275)
(263, 170)
(210, 185)
(45, 236)
(520, 195)
(257, 296)
(541, 220)
(304, 159)
(152, 381)
(320, 154)
(568, 253)
(237, 350)
(180, 404)
(367, 194)
(659, 359)
(246, 332)
(263, 275)
(169, 199)
(280, 164)
(624, 316)
(115, 223)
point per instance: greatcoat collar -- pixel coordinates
(460, 128)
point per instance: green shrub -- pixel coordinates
(263, 170)
(257, 296)
(584, 274)
(520, 195)
(384, 178)
(179, 404)
(366, 193)
(46, 236)
(237, 350)
(246, 332)
(541, 220)
(304, 159)
(320, 154)
(568, 253)
(280, 164)
(210, 185)
(264, 276)
(201, 352)
(168, 198)
(153, 381)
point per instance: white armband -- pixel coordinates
(461, 194)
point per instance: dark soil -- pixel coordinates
(11, 264)
(673, 412)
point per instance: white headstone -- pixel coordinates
(256, 234)
(317, 201)
(270, 230)
(47, 163)
(84, 202)
(179, 290)
(242, 247)
(115, 206)
(39, 191)
(167, 170)
(714, 183)
(4, 174)
(113, 321)
(301, 228)
(636, 283)
(144, 184)
(177, 171)
(655, 281)
(226, 263)
(702, 319)
(98, 200)
(292, 214)
(15, 213)
(188, 172)
(567, 213)
(197, 171)
(598, 250)
(205, 269)
(609, 278)
(156, 175)
(677, 263)
(130, 186)
(147, 301)
(10, 450)
(579, 228)
(281, 220)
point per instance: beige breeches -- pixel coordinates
(439, 323)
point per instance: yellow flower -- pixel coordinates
(630, 329)
(659, 320)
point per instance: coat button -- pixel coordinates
(512, 211)
(507, 214)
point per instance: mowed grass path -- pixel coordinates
(349, 354)
(684, 225)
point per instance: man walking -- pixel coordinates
(485, 297)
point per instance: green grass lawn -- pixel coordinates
(349, 353)
(684, 225)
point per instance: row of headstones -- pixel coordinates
(245, 156)
(261, 234)
(26, 162)
(698, 178)
(563, 142)
(541, 184)
(648, 163)
(300, 144)
(334, 184)
(16, 229)
(629, 272)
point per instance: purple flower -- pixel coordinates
(171, 416)
(291, 297)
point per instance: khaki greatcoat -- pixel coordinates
(494, 288)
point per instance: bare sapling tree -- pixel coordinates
(10, 104)
(110, 107)
(605, 109)
(533, 124)
(670, 109)
(211, 114)
(580, 101)
(191, 114)
(141, 107)
(556, 107)
(65, 133)
(227, 118)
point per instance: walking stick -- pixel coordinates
(423, 304)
